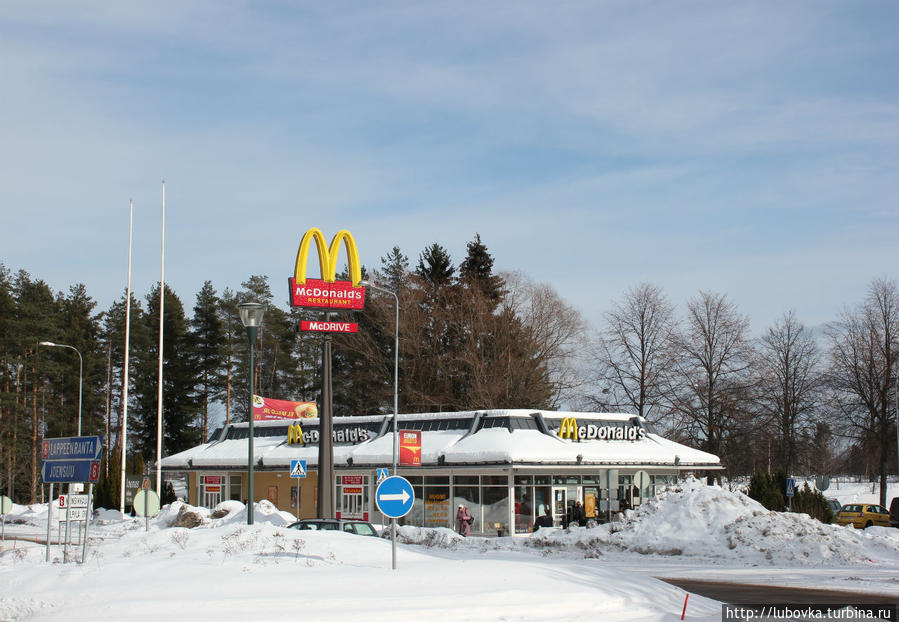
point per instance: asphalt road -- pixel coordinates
(742, 594)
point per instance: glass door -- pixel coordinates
(560, 505)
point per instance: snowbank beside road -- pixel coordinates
(695, 520)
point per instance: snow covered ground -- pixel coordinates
(224, 570)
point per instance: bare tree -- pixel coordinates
(864, 356)
(789, 383)
(554, 329)
(634, 354)
(713, 369)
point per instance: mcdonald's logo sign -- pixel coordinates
(327, 292)
(568, 429)
(618, 431)
(295, 435)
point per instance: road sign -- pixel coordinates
(77, 514)
(146, 503)
(382, 475)
(5, 505)
(72, 448)
(791, 484)
(298, 468)
(395, 496)
(79, 501)
(61, 471)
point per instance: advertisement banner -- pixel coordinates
(410, 447)
(268, 409)
(320, 294)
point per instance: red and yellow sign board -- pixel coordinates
(410, 447)
(327, 293)
(329, 327)
(323, 295)
(267, 409)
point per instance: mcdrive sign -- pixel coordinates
(327, 292)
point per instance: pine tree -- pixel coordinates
(395, 269)
(181, 428)
(476, 270)
(435, 266)
(208, 335)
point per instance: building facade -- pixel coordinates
(506, 466)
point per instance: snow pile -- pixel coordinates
(695, 520)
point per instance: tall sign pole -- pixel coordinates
(326, 440)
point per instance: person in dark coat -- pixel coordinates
(578, 515)
(544, 521)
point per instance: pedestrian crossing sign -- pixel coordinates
(298, 468)
(382, 475)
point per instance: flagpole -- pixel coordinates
(127, 348)
(161, 315)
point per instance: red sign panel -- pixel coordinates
(212, 479)
(351, 480)
(410, 447)
(322, 295)
(330, 327)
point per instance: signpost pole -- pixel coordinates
(65, 556)
(393, 540)
(49, 519)
(87, 519)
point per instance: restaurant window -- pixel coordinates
(467, 493)
(234, 484)
(495, 506)
(437, 502)
(524, 508)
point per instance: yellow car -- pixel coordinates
(863, 515)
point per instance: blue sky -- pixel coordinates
(745, 148)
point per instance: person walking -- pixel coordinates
(463, 520)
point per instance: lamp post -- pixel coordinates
(396, 362)
(50, 344)
(251, 317)
(396, 376)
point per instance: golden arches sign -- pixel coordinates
(327, 292)
(327, 256)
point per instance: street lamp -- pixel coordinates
(396, 376)
(396, 362)
(251, 316)
(50, 344)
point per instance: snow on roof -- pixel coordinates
(455, 446)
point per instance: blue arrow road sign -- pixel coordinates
(395, 496)
(72, 448)
(73, 471)
(297, 468)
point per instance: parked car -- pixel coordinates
(861, 515)
(358, 527)
(835, 506)
(894, 512)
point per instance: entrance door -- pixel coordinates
(560, 505)
(212, 496)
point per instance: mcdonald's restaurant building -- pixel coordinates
(506, 466)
